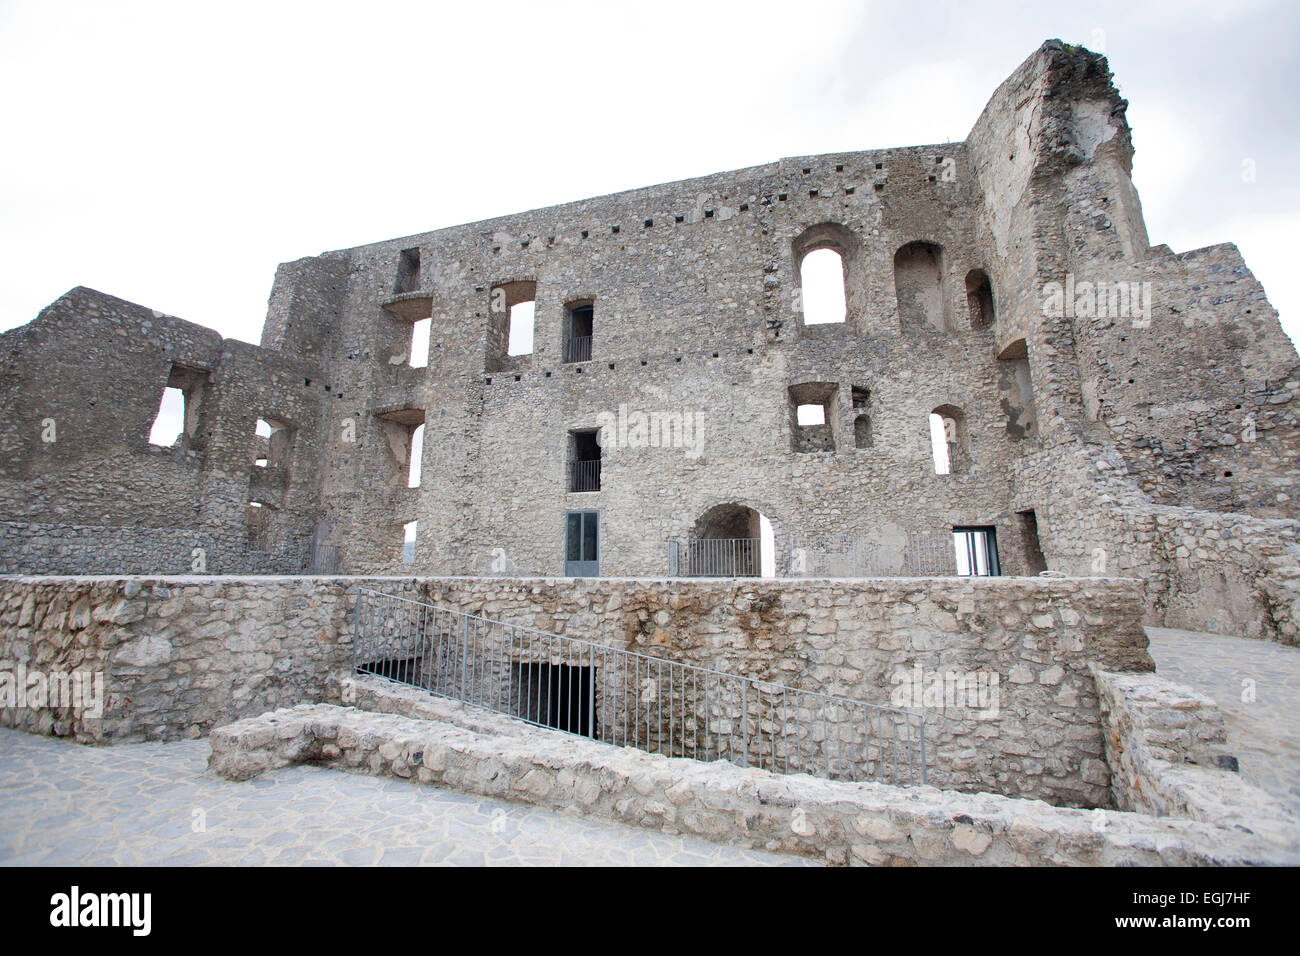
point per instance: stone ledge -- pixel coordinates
(1167, 747)
(842, 823)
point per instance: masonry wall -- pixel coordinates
(182, 653)
(1093, 425)
(82, 387)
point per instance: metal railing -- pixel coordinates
(578, 349)
(628, 699)
(715, 558)
(584, 475)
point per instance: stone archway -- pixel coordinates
(726, 541)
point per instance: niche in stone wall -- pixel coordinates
(1035, 562)
(979, 299)
(257, 527)
(1017, 391)
(408, 271)
(862, 437)
(918, 285)
(813, 414)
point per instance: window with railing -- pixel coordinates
(584, 461)
(578, 332)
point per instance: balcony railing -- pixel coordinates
(578, 349)
(584, 475)
(715, 558)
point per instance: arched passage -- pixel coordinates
(731, 540)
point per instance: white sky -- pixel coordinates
(172, 154)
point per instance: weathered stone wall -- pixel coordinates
(81, 549)
(178, 655)
(81, 388)
(182, 653)
(1088, 420)
(840, 823)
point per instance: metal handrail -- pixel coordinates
(629, 699)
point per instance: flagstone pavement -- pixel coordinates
(1257, 686)
(155, 803)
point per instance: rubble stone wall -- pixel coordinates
(181, 655)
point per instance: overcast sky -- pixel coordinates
(173, 153)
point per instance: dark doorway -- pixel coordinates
(577, 344)
(1035, 562)
(555, 695)
(584, 461)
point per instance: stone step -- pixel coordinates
(858, 823)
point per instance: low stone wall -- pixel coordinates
(1168, 750)
(177, 655)
(181, 655)
(841, 823)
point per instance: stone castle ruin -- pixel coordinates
(1027, 432)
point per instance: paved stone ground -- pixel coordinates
(134, 804)
(1264, 733)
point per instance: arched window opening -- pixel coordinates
(979, 299)
(824, 258)
(948, 442)
(821, 282)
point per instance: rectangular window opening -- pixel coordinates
(169, 423)
(408, 271)
(584, 461)
(522, 323)
(581, 326)
(976, 550)
(408, 542)
(420, 332)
